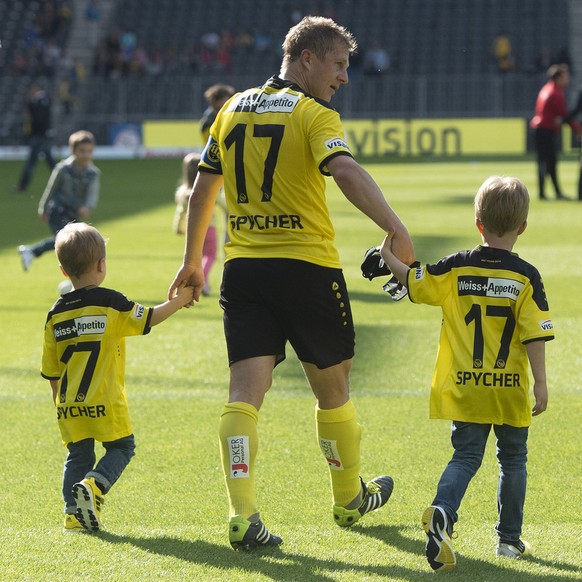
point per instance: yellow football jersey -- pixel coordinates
(272, 144)
(84, 349)
(493, 303)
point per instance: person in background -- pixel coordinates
(572, 115)
(272, 146)
(496, 319)
(84, 363)
(210, 249)
(40, 134)
(216, 96)
(71, 194)
(550, 113)
(502, 53)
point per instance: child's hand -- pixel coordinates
(185, 294)
(386, 247)
(541, 395)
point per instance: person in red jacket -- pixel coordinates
(550, 113)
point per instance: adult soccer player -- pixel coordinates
(282, 281)
(551, 112)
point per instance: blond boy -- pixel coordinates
(495, 320)
(84, 361)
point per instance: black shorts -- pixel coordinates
(268, 302)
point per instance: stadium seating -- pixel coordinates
(441, 61)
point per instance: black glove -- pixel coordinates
(373, 264)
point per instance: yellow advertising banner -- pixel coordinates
(172, 134)
(385, 137)
(435, 137)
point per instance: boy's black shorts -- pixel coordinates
(269, 301)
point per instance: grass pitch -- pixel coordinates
(166, 517)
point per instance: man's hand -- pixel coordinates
(188, 275)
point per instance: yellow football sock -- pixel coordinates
(239, 441)
(339, 437)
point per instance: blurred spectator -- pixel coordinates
(376, 59)
(93, 17)
(127, 46)
(51, 55)
(191, 59)
(155, 65)
(244, 41)
(139, 62)
(263, 41)
(39, 130)
(210, 40)
(223, 61)
(44, 40)
(74, 75)
(171, 62)
(502, 53)
(543, 61)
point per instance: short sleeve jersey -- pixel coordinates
(84, 349)
(272, 144)
(493, 304)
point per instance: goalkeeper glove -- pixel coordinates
(373, 264)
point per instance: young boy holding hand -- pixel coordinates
(84, 360)
(495, 319)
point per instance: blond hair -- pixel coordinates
(79, 247)
(502, 204)
(79, 137)
(318, 34)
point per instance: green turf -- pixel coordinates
(166, 517)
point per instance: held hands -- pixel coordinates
(189, 277)
(185, 295)
(381, 261)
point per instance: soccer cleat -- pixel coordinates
(72, 524)
(375, 494)
(439, 551)
(26, 256)
(89, 501)
(516, 549)
(245, 535)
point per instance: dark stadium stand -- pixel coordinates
(441, 61)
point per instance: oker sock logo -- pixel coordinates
(331, 453)
(239, 455)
